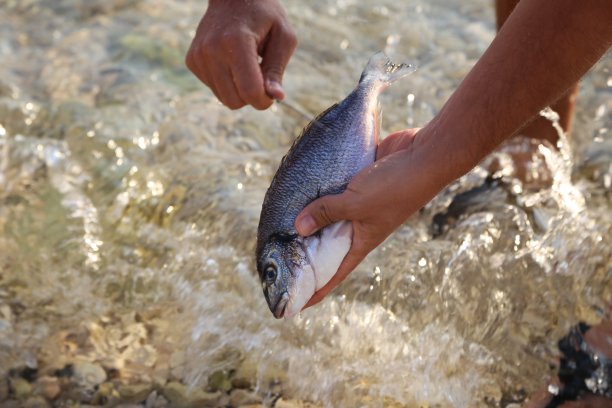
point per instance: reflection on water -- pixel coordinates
(129, 201)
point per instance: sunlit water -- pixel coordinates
(129, 201)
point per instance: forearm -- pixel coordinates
(544, 47)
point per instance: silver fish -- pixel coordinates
(330, 151)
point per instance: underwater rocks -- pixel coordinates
(87, 384)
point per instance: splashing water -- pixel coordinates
(129, 200)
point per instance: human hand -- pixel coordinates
(376, 200)
(225, 51)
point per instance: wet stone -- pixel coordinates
(219, 381)
(179, 395)
(156, 401)
(243, 378)
(240, 397)
(134, 392)
(150, 401)
(88, 374)
(283, 403)
(36, 402)
(177, 364)
(21, 388)
(48, 387)
(106, 394)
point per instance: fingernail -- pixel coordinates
(275, 90)
(306, 225)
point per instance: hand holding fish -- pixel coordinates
(377, 201)
(412, 168)
(225, 51)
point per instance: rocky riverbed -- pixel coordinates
(152, 379)
(129, 202)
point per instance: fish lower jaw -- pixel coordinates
(305, 287)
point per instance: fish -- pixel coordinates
(331, 149)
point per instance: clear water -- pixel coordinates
(129, 201)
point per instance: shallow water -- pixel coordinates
(129, 201)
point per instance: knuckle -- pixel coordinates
(210, 47)
(262, 105)
(234, 105)
(290, 36)
(230, 39)
(251, 93)
(274, 71)
(325, 212)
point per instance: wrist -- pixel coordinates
(448, 150)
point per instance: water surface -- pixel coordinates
(129, 201)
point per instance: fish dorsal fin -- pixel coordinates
(315, 122)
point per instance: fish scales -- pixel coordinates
(319, 164)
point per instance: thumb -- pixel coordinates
(320, 213)
(276, 55)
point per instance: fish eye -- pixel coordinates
(270, 273)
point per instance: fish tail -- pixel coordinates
(380, 68)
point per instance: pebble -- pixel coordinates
(177, 364)
(36, 402)
(219, 381)
(239, 398)
(21, 388)
(88, 375)
(281, 403)
(243, 378)
(158, 402)
(134, 392)
(48, 387)
(178, 395)
(105, 394)
(150, 401)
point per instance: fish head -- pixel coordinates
(287, 278)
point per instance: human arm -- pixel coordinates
(229, 40)
(544, 47)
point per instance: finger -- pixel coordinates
(350, 262)
(320, 213)
(226, 90)
(247, 76)
(395, 142)
(276, 55)
(192, 60)
(196, 65)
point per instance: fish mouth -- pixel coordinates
(281, 306)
